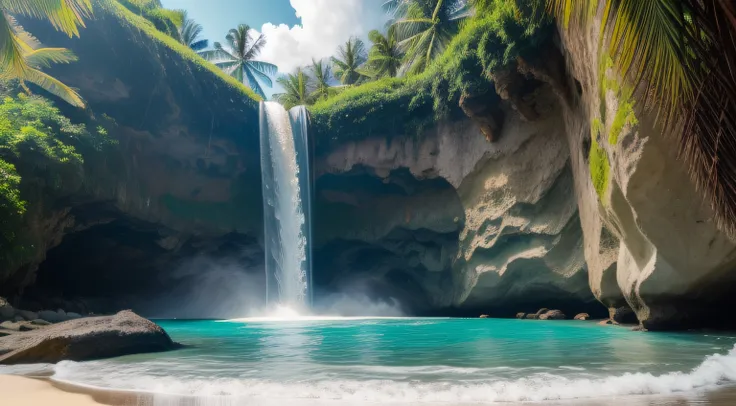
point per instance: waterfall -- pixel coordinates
(287, 208)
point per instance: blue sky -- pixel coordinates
(296, 30)
(218, 16)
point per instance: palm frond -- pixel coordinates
(53, 86)
(253, 82)
(12, 63)
(45, 57)
(65, 15)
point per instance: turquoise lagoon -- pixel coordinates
(411, 360)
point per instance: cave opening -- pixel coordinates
(111, 262)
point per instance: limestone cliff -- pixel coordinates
(492, 226)
(650, 240)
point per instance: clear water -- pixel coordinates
(412, 361)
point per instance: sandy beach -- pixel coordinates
(20, 391)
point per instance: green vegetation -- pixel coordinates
(37, 144)
(297, 89)
(425, 28)
(624, 115)
(350, 57)
(135, 21)
(677, 56)
(238, 59)
(488, 41)
(385, 57)
(21, 55)
(598, 163)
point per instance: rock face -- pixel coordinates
(477, 224)
(650, 241)
(183, 179)
(85, 339)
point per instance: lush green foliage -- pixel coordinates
(238, 58)
(297, 89)
(36, 140)
(425, 28)
(488, 41)
(385, 57)
(21, 55)
(135, 21)
(350, 57)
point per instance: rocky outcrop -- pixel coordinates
(84, 339)
(651, 243)
(183, 178)
(498, 221)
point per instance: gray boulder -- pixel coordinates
(581, 316)
(520, 315)
(73, 316)
(26, 314)
(6, 310)
(532, 316)
(39, 322)
(542, 311)
(553, 315)
(52, 316)
(84, 339)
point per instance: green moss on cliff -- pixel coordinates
(599, 165)
(487, 42)
(114, 8)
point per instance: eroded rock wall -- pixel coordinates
(651, 242)
(511, 238)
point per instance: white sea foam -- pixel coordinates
(714, 370)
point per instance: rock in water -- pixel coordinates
(84, 339)
(624, 315)
(28, 315)
(6, 310)
(553, 315)
(483, 316)
(542, 311)
(52, 316)
(532, 316)
(520, 315)
(581, 316)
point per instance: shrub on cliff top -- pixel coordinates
(491, 40)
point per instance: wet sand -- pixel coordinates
(24, 391)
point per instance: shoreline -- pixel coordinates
(20, 390)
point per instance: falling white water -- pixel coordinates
(286, 204)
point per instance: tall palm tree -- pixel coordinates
(189, 34)
(297, 89)
(385, 56)
(20, 54)
(237, 59)
(425, 27)
(322, 73)
(350, 56)
(679, 57)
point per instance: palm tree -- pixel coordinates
(298, 89)
(189, 34)
(350, 56)
(424, 28)
(679, 57)
(322, 75)
(20, 54)
(237, 59)
(385, 57)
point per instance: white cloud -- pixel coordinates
(325, 25)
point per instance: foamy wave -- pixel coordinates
(714, 370)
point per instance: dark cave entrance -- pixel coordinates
(116, 262)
